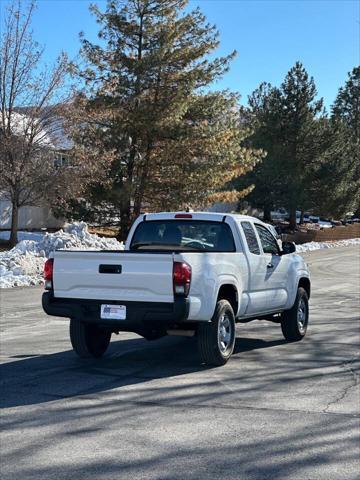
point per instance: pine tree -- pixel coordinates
(301, 137)
(163, 141)
(264, 118)
(340, 165)
(288, 126)
(346, 107)
(336, 184)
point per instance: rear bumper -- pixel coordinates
(139, 315)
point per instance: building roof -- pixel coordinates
(53, 136)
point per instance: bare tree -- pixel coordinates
(30, 112)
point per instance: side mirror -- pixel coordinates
(288, 247)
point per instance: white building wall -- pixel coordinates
(29, 217)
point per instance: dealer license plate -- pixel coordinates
(115, 312)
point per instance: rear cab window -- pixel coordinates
(183, 236)
(250, 237)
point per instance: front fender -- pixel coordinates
(296, 275)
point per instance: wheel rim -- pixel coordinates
(224, 333)
(302, 316)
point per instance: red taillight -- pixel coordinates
(181, 278)
(183, 215)
(48, 273)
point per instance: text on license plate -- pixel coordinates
(116, 312)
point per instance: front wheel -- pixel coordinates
(216, 340)
(88, 340)
(294, 322)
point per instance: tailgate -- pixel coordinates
(142, 277)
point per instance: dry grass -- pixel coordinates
(104, 231)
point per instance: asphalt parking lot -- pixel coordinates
(149, 410)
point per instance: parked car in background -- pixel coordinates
(280, 214)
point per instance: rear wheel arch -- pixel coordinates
(229, 292)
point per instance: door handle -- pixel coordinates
(269, 265)
(110, 268)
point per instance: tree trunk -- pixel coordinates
(137, 207)
(267, 213)
(125, 222)
(139, 196)
(14, 224)
(302, 217)
(292, 218)
(125, 204)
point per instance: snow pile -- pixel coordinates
(23, 265)
(306, 247)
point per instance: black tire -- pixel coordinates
(212, 350)
(88, 340)
(293, 323)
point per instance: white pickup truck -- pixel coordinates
(180, 274)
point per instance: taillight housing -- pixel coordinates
(48, 273)
(181, 278)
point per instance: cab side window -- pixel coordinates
(268, 242)
(250, 236)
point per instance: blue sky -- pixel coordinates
(270, 36)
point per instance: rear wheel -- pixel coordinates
(216, 340)
(294, 322)
(88, 340)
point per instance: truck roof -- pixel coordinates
(214, 216)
